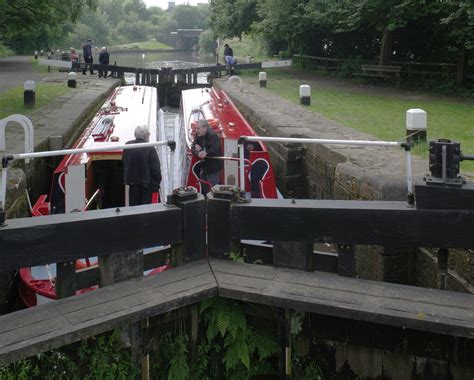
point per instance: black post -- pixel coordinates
(293, 255)
(65, 279)
(193, 206)
(346, 263)
(120, 267)
(218, 221)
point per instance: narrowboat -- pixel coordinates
(94, 180)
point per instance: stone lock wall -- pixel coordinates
(341, 172)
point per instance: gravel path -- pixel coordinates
(16, 70)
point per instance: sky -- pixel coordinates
(164, 3)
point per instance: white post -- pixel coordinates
(71, 79)
(262, 79)
(305, 95)
(416, 125)
(29, 94)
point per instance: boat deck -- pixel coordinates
(28, 332)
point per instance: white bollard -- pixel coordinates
(262, 79)
(305, 95)
(72, 79)
(416, 125)
(29, 94)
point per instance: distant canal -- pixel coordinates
(156, 60)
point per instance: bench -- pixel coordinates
(379, 71)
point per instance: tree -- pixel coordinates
(458, 23)
(190, 17)
(232, 18)
(285, 20)
(29, 24)
(383, 16)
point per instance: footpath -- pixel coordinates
(63, 116)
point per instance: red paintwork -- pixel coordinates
(228, 122)
(129, 106)
(41, 207)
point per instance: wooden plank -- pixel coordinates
(28, 332)
(28, 242)
(431, 310)
(352, 222)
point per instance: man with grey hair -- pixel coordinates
(104, 58)
(206, 145)
(141, 169)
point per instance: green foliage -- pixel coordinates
(101, 357)
(105, 358)
(207, 42)
(26, 25)
(245, 348)
(176, 354)
(232, 18)
(349, 67)
(5, 52)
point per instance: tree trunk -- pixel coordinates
(386, 48)
(461, 68)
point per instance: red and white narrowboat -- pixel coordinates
(215, 106)
(93, 180)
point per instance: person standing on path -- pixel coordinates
(228, 52)
(141, 169)
(103, 60)
(88, 59)
(206, 145)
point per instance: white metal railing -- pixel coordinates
(298, 140)
(27, 127)
(53, 153)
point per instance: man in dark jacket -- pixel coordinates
(103, 60)
(141, 169)
(208, 144)
(228, 52)
(88, 59)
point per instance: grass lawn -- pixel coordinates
(144, 45)
(379, 115)
(11, 101)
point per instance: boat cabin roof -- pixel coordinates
(115, 123)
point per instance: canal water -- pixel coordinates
(156, 60)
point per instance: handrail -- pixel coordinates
(401, 144)
(105, 148)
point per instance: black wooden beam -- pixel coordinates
(352, 222)
(35, 241)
